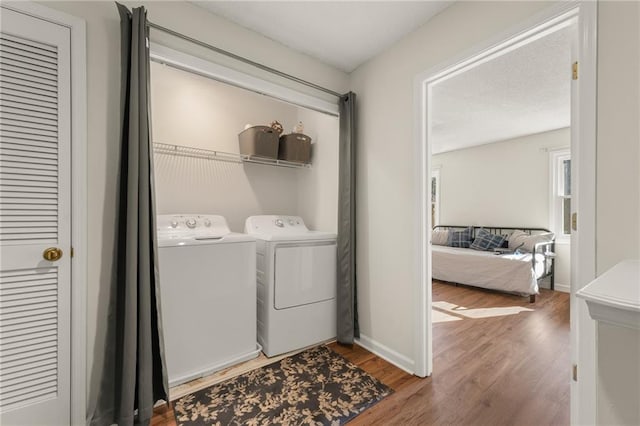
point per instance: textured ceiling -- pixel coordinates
(523, 92)
(344, 34)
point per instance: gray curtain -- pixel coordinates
(134, 375)
(347, 294)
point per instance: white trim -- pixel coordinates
(555, 208)
(230, 76)
(79, 268)
(582, 124)
(386, 353)
(423, 351)
(77, 27)
(564, 288)
(583, 241)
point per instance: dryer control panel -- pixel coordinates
(275, 224)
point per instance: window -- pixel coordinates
(435, 197)
(561, 194)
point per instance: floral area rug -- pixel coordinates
(314, 387)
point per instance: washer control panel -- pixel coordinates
(274, 224)
(191, 225)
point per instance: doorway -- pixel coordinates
(583, 197)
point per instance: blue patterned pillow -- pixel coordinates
(487, 241)
(460, 239)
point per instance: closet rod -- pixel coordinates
(242, 59)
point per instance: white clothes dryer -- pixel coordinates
(207, 293)
(296, 278)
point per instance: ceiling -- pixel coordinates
(523, 92)
(344, 34)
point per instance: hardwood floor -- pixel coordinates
(502, 370)
(498, 360)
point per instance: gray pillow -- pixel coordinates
(487, 241)
(460, 239)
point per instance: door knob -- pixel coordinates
(52, 254)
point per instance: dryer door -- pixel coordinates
(304, 273)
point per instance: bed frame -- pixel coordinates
(547, 249)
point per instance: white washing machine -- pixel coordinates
(296, 277)
(208, 295)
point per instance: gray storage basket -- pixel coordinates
(295, 147)
(259, 141)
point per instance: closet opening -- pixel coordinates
(205, 177)
(560, 205)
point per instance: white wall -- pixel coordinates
(103, 73)
(318, 187)
(618, 198)
(618, 161)
(192, 110)
(563, 267)
(618, 379)
(504, 183)
(386, 167)
(499, 184)
(195, 111)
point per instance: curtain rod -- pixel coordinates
(242, 59)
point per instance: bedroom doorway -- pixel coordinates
(475, 202)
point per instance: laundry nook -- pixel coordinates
(251, 267)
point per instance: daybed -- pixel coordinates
(515, 266)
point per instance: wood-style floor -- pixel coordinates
(498, 360)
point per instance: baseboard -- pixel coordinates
(562, 287)
(386, 353)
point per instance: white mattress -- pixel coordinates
(509, 272)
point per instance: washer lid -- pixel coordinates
(283, 228)
(176, 241)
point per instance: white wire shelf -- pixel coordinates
(206, 154)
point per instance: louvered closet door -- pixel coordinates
(34, 216)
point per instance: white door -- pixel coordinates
(34, 216)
